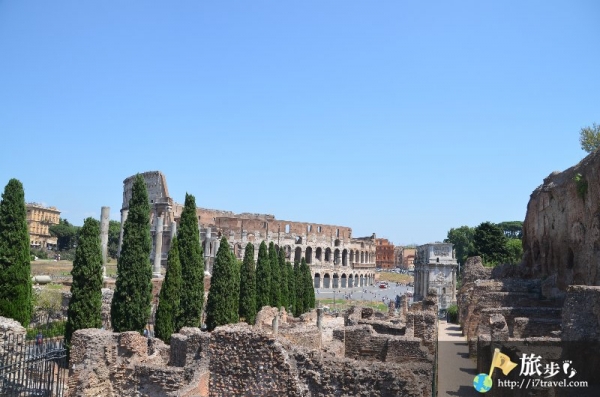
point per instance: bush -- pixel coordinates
(49, 330)
(453, 314)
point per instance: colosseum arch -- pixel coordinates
(344, 280)
(362, 258)
(317, 280)
(327, 254)
(319, 254)
(336, 256)
(350, 281)
(336, 281)
(345, 257)
(308, 255)
(288, 251)
(362, 280)
(326, 281)
(298, 254)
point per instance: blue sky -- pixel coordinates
(399, 118)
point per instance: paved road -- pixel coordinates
(455, 369)
(371, 293)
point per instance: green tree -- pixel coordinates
(490, 242)
(309, 290)
(589, 138)
(514, 248)
(247, 305)
(131, 304)
(170, 294)
(285, 293)
(512, 229)
(16, 300)
(299, 301)
(263, 278)
(85, 305)
(462, 240)
(291, 280)
(65, 233)
(114, 229)
(221, 308)
(235, 291)
(275, 276)
(192, 266)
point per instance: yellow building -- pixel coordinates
(39, 219)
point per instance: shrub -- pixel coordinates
(453, 314)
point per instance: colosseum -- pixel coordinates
(337, 260)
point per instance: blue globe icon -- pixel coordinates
(482, 383)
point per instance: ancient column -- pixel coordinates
(104, 222)
(453, 286)
(158, 237)
(124, 213)
(275, 324)
(173, 230)
(319, 318)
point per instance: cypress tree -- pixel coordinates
(299, 287)
(247, 303)
(291, 285)
(168, 304)
(275, 276)
(192, 267)
(85, 305)
(221, 308)
(16, 300)
(131, 304)
(309, 290)
(263, 278)
(285, 294)
(237, 268)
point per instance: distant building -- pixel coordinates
(435, 268)
(408, 258)
(384, 254)
(39, 219)
(336, 259)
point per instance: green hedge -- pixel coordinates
(50, 330)
(453, 314)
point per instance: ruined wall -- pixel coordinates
(561, 232)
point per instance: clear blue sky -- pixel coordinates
(401, 118)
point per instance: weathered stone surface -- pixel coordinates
(474, 270)
(561, 232)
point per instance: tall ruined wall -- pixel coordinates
(561, 232)
(156, 183)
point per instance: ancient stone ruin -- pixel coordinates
(364, 353)
(550, 303)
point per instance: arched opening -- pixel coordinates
(326, 281)
(345, 257)
(350, 281)
(239, 251)
(336, 242)
(319, 254)
(336, 257)
(351, 256)
(287, 228)
(298, 240)
(298, 254)
(308, 255)
(362, 280)
(288, 251)
(362, 258)
(336, 281)
(327, 254)
(344, 280)
(317, 281)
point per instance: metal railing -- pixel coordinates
(32, 367)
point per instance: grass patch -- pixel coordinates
(343, 304)
(395, 277)
(50, 330)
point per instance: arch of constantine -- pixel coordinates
(336, 259)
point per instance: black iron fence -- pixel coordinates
(32, 367)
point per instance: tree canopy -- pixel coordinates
(247, 303)
(192, 266)
(65, 233)
(489, 242)
(131, 304)
(222, 307)
(462, 240)
(85, 305)
(263, 278)
(589, 138)
(16, 300)
(169, 297)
